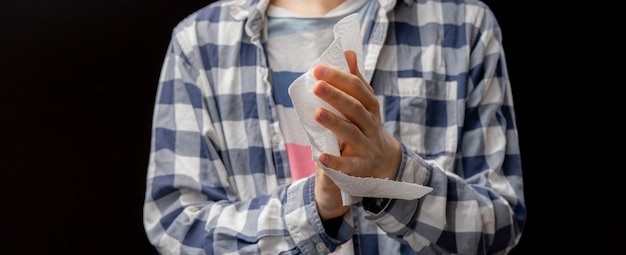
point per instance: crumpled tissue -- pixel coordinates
(347, 36)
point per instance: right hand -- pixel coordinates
(327, 196)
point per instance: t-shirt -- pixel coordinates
(294, 43)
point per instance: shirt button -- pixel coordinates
(320, 247)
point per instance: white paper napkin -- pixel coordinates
(347, 37)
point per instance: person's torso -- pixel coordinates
(418, 75)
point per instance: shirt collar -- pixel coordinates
(254, 11)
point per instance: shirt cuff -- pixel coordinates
(305, 225)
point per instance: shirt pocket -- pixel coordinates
(425, 115)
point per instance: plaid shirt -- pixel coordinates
(218, 178)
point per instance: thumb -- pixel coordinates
(350, 56)
(351, 60)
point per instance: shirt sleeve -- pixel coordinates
(477, 204)
(192, 204)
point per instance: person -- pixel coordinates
(231, 170)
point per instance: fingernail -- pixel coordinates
(321, 115)
(325, 160)
(320, 89)
(319, 71)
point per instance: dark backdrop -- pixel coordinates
(77, 83)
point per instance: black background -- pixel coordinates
(77, 84)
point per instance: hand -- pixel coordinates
(327, 196)
(367, 149)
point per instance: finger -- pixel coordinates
(354, 68)
(346, 165)
(344, 130)
(349, 83)
(353, 110)
(324, 180)
(327, 196)
(353, 140)
(345, 103)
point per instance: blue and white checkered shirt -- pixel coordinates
(219, 182)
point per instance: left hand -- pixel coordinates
(367, 149)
